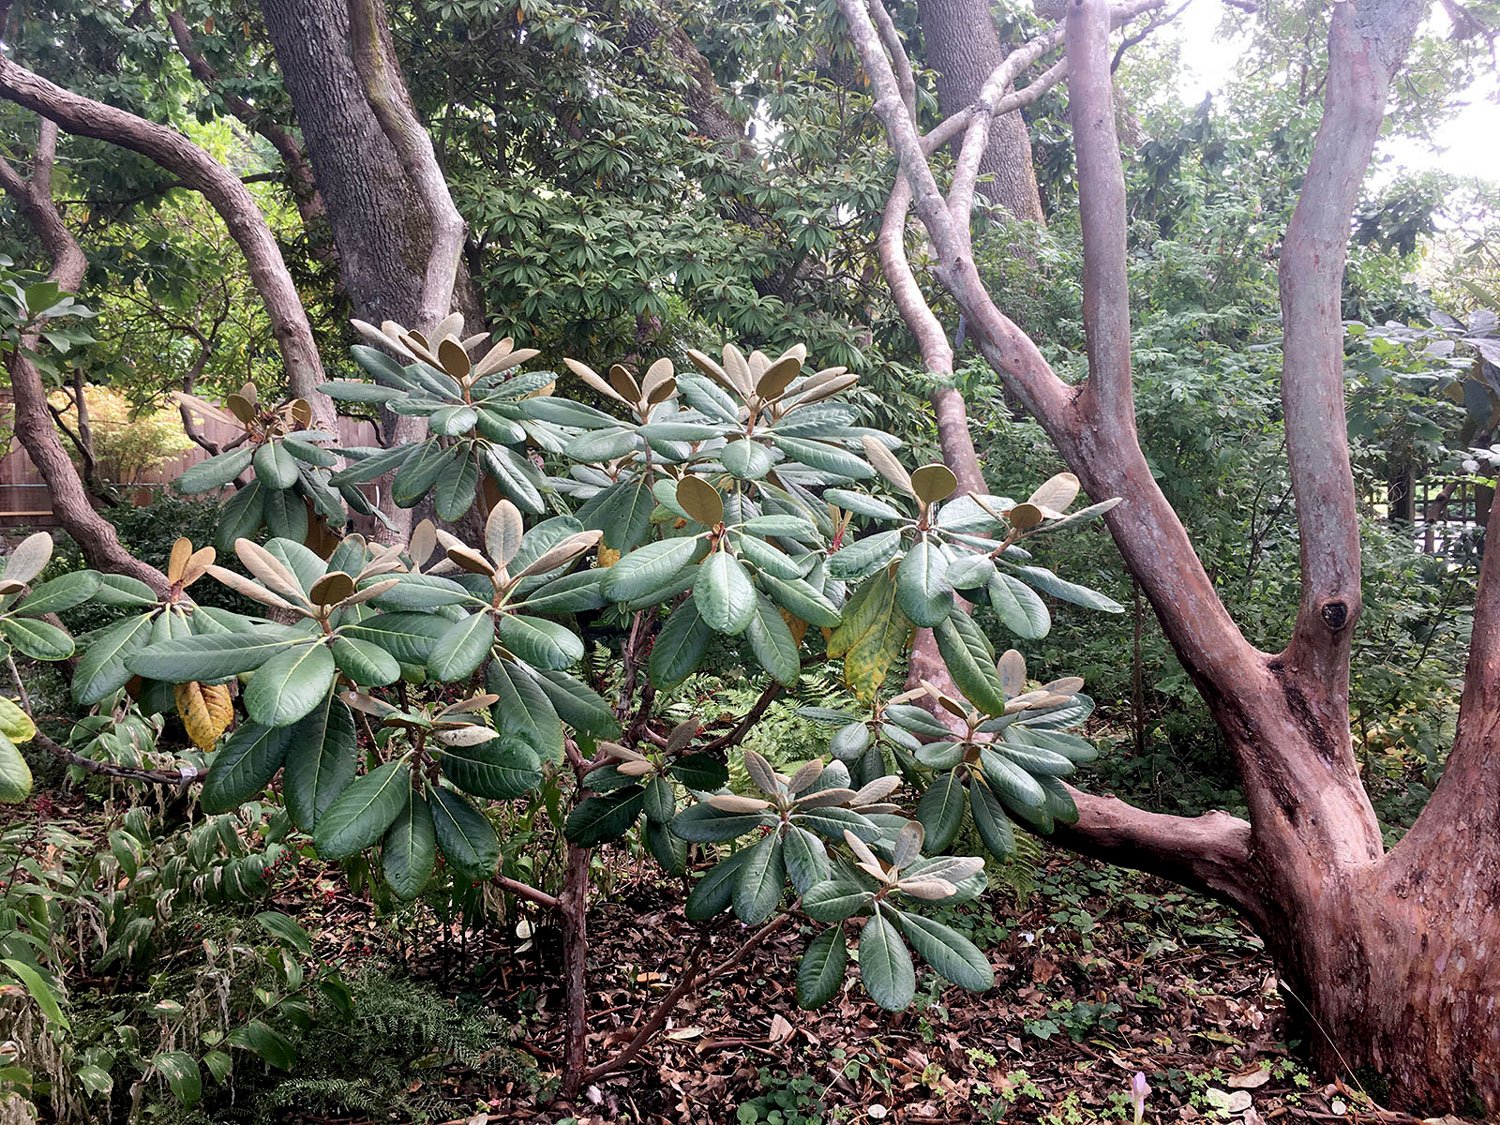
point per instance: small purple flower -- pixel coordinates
(1140, 1090)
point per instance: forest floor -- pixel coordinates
(1100, 974)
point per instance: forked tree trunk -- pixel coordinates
(1392, 958)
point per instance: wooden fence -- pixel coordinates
(25, 500)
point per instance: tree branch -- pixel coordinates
(218, 185)
(185, 776)
(1365, 43)
(304, 188)
(1107, 397)
(33, 423)
(1210, 853)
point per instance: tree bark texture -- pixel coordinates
(962, 45)
(379, 224)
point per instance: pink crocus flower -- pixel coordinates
(1140, 1090)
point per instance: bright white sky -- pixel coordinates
(1467, 145)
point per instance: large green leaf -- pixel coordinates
(954, 956)
(516, 477)
(462, 648)
(821, 972)
(40, 991)
(990, 821)
(465, 835)
(835, 899)
(773, 644)
(37, 639)
(800, 599)
(120, 591)
(274, 466)
(214, 656)
(649, 567)
(285, 514)
(457, 487)
(409, 851)
(712, 893)
(409, 637)
(360, 815)
(1049, 583)
(241, 516)
(680, 646)
(1019, 607)
(747, 459)
(806, 858)
(290, 685)
(365, 663)
(419, 472)
(922, 586)
(760, 883)
(499, 769)
(524, 710)
(608, 817)
(101, 670)
(243, 766)
(61, 593)
(941, 811)
(724, 594)
(970, 661)
(545, 644)
(622, 512)
(864, 557)
(15, 774)
(704, 824)
(577, 704)
(216, 472)
(1017, 789)
(885, 966)
(321, 760)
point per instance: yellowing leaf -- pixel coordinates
(873, 633)
(796, 625)
(206, 711)
(15, 724)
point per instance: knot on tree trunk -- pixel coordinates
(1335, 615)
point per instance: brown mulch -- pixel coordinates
(1099, 974)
